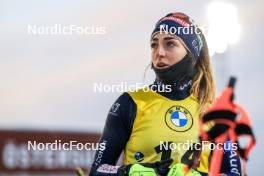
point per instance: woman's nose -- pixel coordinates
(161, 51)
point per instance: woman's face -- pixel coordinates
(166, 50)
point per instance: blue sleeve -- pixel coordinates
(116, 133)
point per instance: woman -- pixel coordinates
(142, 123)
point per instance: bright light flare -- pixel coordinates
(224, 28)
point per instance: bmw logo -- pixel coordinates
(139, 156)
(178, 119)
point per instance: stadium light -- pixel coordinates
(224, 28)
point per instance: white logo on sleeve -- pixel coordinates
(114, 109)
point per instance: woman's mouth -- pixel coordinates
(162, 65)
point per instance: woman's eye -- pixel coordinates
(171, 44)
(153, 45)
